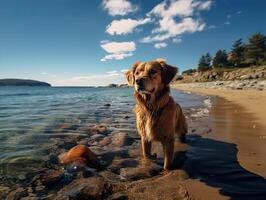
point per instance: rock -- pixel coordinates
(112, 85)
(165, 187)
(79, 155)
(53, 159)
(66, 143)
(124, 86)
(51, 177)
(66, 126)
(121, 139)
(97, 129)
(86, 188)
(17, 194)
(97, 137)
(246, 77)
(101, 129)
(4, 191)
(105, 141)
(107, 104)
(84, 141)
(135, 173)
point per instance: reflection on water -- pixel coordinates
(218, 161)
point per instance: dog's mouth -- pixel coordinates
(143, 91)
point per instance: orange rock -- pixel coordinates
(64, 126)
(79, 154)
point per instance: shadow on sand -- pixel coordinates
(215, 163)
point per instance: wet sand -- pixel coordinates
(231, 157)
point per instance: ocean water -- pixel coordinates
(30, 116)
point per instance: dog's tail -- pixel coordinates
(181, 125)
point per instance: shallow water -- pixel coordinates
(29, 117)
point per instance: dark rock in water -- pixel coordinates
(97, 137)
(53, 159)
(107, 104)
(98, 129)
(79, 171)
(126, 117)
(51, 177)
(121, 139)
(89, 188)
(66, 144)
(64, 126)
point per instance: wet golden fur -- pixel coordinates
(158, 116)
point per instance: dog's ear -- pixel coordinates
(130, 74)
(168, 71)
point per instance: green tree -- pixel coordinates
(220, 59)
(256, 49)
(236, 56)
(204, 62)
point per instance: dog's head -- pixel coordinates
(149, 77)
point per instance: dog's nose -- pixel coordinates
(140, 81)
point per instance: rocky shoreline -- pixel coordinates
(99, 163)
(113, 169)
(221, 74)
(224, 85)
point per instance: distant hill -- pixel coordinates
(22, 82)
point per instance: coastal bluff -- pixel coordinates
(22, 82)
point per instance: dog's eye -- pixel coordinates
(152, 72)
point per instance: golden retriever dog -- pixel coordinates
(158, 116)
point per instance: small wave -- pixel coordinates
(208, 102)
(201, 113)
(17, 94)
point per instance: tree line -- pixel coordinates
(241, 55)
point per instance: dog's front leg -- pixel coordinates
(146, 147)
(168, 148)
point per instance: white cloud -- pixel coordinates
(118, 50)
(124, 70)
(117, 56)
(44, 73)
(160, 45)
(118, 47)
(205, 5)
(177, 40)
(212, 27)
(118, 7)
(125, 26)
(170, 28)
(182, 8)
(92, 80)
(176, 18)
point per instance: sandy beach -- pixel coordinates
(238, 119)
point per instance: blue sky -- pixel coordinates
(92, 42)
